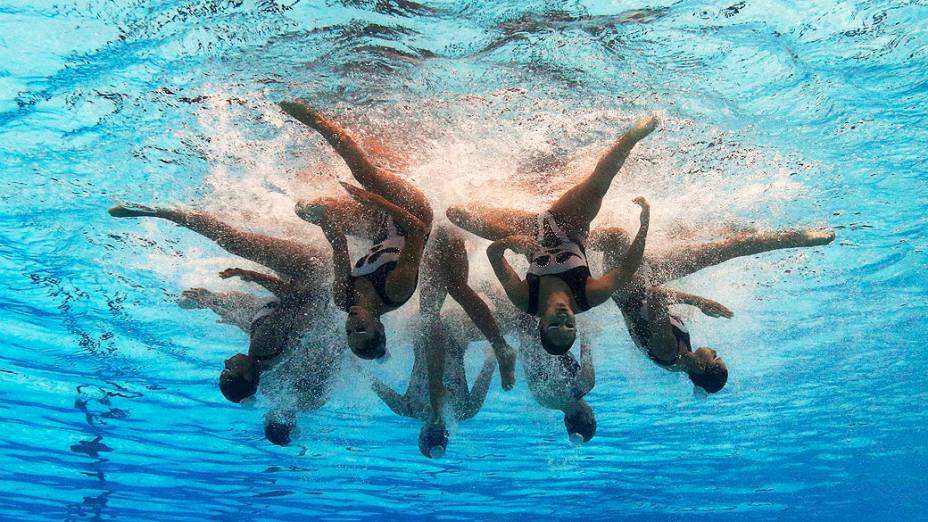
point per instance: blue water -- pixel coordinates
(773, 114)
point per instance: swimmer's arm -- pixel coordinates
(705, 305)
(599, 290)
(587, 379)
(478, 392)
(271, 283)
(341, 262)
(399, 404)
(516, 288)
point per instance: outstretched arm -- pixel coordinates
(271, 283)
(706, 306)
(478, 392)
(516, 288)
(599, 290)
(399, 404)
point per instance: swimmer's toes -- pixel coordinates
(129, 210)
(821, 236)
(644, 126)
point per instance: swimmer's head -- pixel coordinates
(709, 371)
(433, 440)
(365, 332)
(279, 427)
(557, 327)
(239, 378)
(580, 422)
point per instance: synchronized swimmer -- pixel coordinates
(294, 335)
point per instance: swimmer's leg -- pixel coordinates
(455, 267)
(577, 207)
(432, 293)
(391, 187)
(281, 255)
(492, 223)
(687, 260)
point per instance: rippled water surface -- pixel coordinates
(774, 114)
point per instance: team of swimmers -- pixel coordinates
(295, 331)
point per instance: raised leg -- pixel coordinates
(389, 186)
(577, 207)
(281, 255)
(492, 223)
(687, 260)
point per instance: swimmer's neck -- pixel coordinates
(686, 361)
(553, 292)
(570, 407)
(366, 297)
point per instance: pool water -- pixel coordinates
(773, 114)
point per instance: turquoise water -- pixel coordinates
(773, 114)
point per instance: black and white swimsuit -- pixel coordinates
(637, 319)
(380, 260)
(560, 257)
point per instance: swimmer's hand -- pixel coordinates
(520, 244)
(645, 209)
(714, 309)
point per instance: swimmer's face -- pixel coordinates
(707, 357)
(558, 329)
(365, 333)
(710, 371)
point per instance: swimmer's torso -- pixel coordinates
(375, 266)
(561, 256)
(662, 347)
